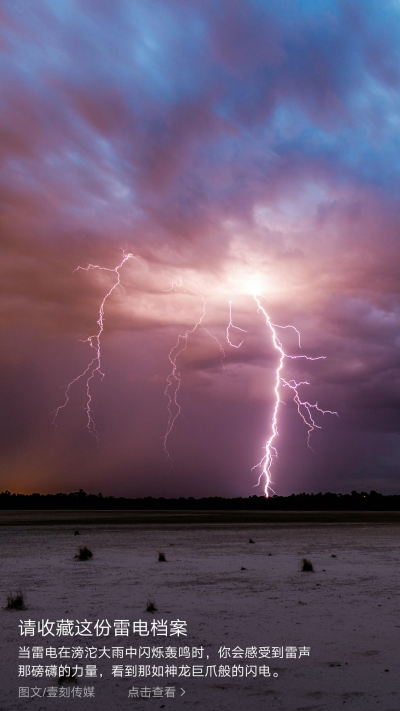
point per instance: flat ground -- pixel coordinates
(231, 593)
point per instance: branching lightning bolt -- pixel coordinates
(174, 378)
(230, 325)
(94, 366)
(304, 408)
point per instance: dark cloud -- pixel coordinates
(217, 141)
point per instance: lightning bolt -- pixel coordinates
(304, 408)
(174, 378)
(94, 366)
(230, 325)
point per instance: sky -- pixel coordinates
(235, 148)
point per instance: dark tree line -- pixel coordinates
(80, 500)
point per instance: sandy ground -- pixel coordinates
(347, 611)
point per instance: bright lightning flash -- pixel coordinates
(94, 366)
(304, 408)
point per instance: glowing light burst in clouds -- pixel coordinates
(250, 285)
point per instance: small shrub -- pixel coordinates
(161, 557)
(16, 602)
(333, 555)
(306, 566)
(76, 533)
(151, 605)
(243, 568)
(65, 678)
(251, 540)
(84, 553)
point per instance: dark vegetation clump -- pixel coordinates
(161, 557)
(333, 555)
(306, 566)
(151, 605)
(76, 533)
(16, 602)
(68, 677)
(251, 540)
(84, 553)
(243, 568)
